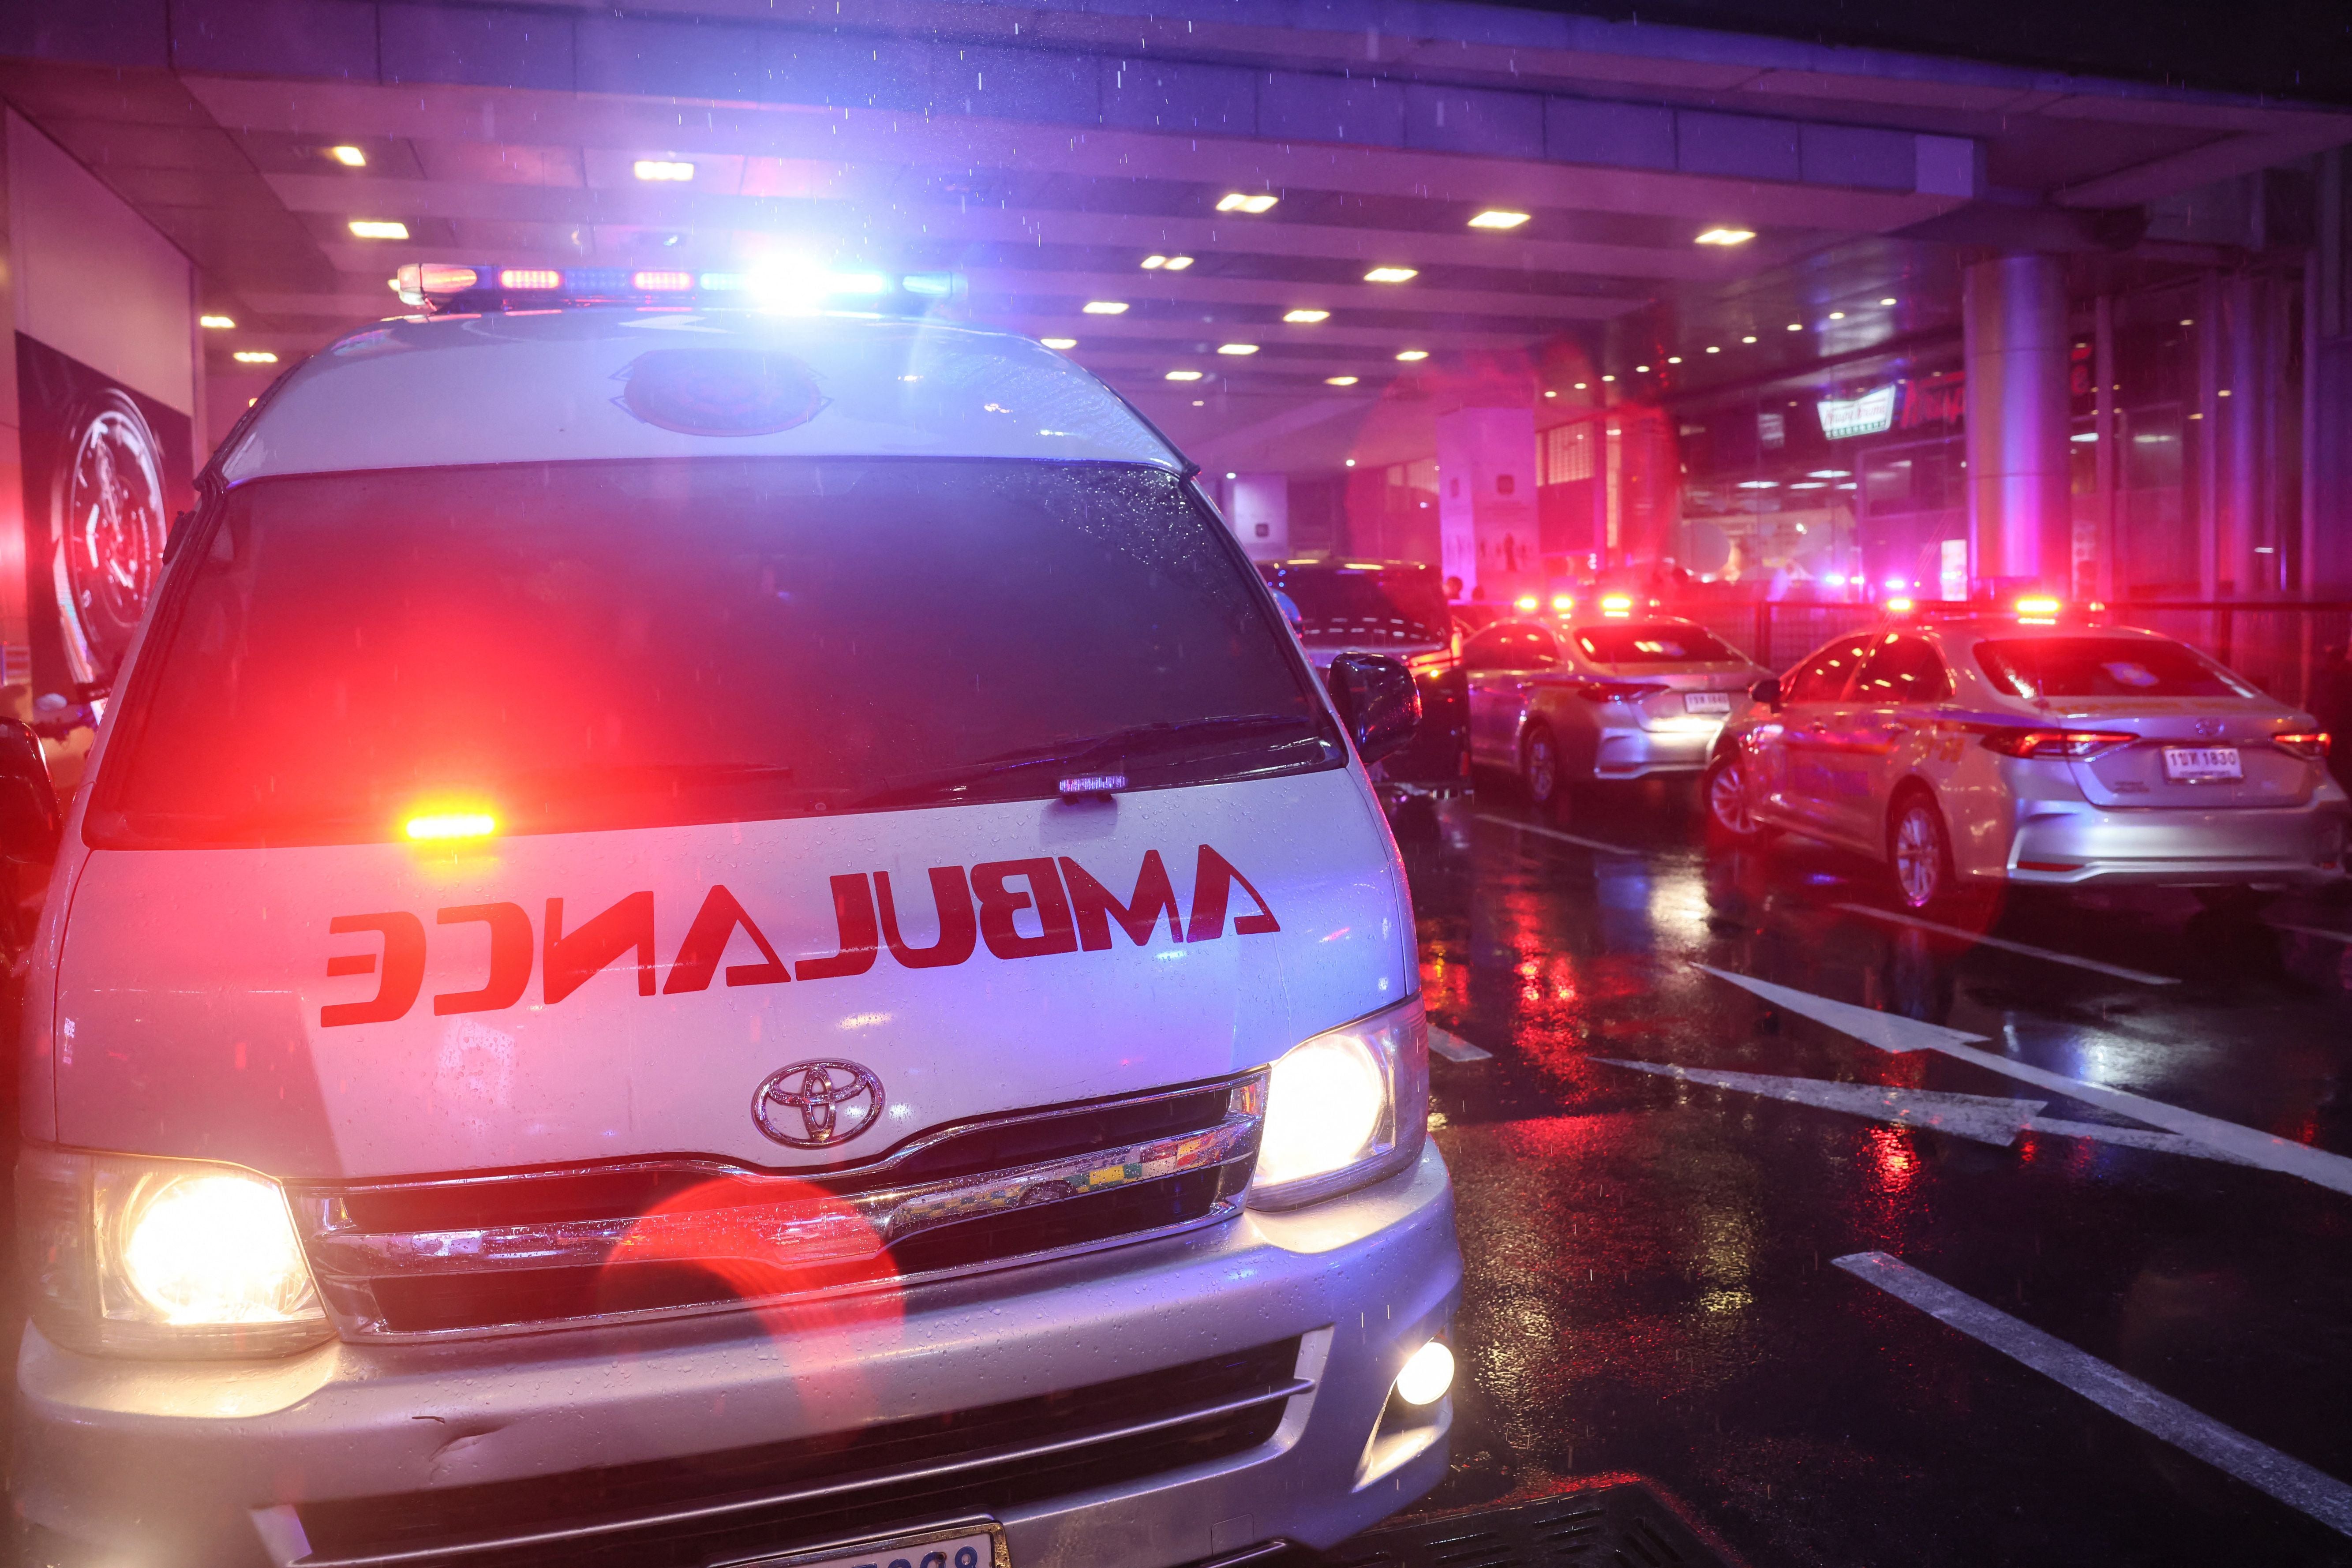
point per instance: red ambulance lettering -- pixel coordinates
(958, 930)
(1032, 908)
(510, 958)
(572, 960)
(714, 926)
(853, 916)
(999, 902)
(403, 968)
(1096, 906)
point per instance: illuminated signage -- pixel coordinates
(1871, 413)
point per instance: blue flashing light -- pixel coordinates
(790, 289)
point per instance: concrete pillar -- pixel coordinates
(2020, 512)
(1487, 533)
(1259, 506)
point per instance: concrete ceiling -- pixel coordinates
(1046, 154)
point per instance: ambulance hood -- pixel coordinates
(378, 1010)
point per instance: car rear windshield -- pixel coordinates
(1364, 607)
(2103, 666)
(582, 645)
(1663, 642)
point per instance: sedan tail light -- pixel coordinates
(1615, 690)
(2075, 745)
(2312, 744)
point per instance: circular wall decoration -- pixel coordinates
(108, 519)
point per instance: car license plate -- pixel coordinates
(969, 1549)
(2202, 765)
(1706, 701)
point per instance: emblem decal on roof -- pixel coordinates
(720, 392)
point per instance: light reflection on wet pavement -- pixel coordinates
(1651, 1279)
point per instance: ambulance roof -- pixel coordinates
(600, 383)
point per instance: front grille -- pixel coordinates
(674, 1513)
(538, 1247)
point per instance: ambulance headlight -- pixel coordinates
(163, 1257)
(1347, 1108)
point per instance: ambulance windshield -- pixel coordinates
(585, 645)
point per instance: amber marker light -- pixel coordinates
(2032, 605)
(1899, 607)
(1526, 603)
(446, 827)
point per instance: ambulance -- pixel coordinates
(710, 929)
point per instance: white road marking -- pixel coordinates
(1997, 1120)
(1454, 1048)
(1554, 833)
(2117, 970)
(1888, 1031)
(2289, 1479)
(2344, 936)
(2245, 1145)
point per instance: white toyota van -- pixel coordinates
(703, 937)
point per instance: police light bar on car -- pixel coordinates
(442, 287)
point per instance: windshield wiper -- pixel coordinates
(1073, 756)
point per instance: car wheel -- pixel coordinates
(1540, 767)
(1919, 852)
(1722, 792)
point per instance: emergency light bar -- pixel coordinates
(440, 286)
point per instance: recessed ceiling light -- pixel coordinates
(1183, 375)
(1726, 236)
(1674, 358)
(664, 169)
(1496, 217)
(1152, 263)
(1241, 202)
(1306, 318)
(1392, 274)
(1749, 339)
(1105, 307)
(1796, 326)
(1831, 474)
(1549, 392)
(1339, 381)
(255, 356)
(378, 228)
(1579, 386)
(1713, 350)
(1759, 484)
(2188, 320)
(1173, 263)
(1237, 348)
(1351, 462)
(1059, 343)
(1200, 403)
(1411, 355)
(1641, 370)
(1178, 263)
(1837, 315)
(215, 321)
(1608, 378)
(349, 157)
(1888, 300)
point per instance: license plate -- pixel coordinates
(2202, 765)
(972, 1548)
(1706, 701)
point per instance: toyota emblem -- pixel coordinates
(814, 1105)
(2208, 728)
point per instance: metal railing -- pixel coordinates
(2282, 646)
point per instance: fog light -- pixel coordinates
(1427, 1376)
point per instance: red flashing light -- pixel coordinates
(443, 827)
(662, 282)
(1526, 604)
(1616, 605)
(530, 277)
(1563, 603)
(2038, 606)
(1899, 607)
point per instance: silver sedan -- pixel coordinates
(1611, 698)
(1972, 752)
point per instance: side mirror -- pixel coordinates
(1377, 700)
(1767, 691)
(29, 818)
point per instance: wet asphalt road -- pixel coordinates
(1651, 1278)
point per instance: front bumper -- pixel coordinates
(2066, 844)
(200, 1465)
